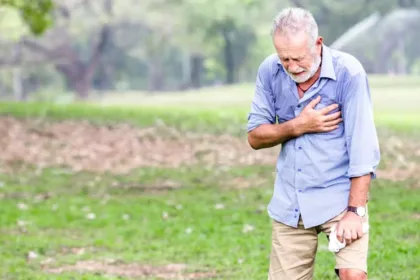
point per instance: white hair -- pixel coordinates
(293, 20)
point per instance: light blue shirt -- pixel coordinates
(314, 170)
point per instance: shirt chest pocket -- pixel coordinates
(285, 108)
(285, 113)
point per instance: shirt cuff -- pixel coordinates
(358, 171)
(255, 121)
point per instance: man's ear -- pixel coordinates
(319, 41)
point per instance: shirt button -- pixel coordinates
(300, 190)
(298, 106)
(296, 210)
(300, 148)
(299, 170)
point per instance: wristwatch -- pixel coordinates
(360, 211)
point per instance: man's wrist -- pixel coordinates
(297, 127)
(358, 210)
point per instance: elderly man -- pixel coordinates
(315, 102)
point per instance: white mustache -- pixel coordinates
(298, 72)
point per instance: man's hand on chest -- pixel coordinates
(313, 121)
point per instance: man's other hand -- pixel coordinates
(350, 228)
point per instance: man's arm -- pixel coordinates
(363, 150)
(361, 138)
(270, 135)
(262, 128)
(359, 190)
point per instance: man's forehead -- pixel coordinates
(291, 44)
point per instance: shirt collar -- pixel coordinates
(327, 66)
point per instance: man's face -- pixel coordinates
(299, 59)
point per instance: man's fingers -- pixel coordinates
(329, 128)
(359, 232)
(328, 109)
(333, 116)
(354, 234)
(315, 101)
(333, 123)
(348, 237)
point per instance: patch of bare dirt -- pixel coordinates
(244, 183)
(401, 158)
(121, 148)
(157, 186)
(77, 250)
(171, 271)
(416, 216)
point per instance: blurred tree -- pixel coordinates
(58, 44)
(178, 44)
(215, 30)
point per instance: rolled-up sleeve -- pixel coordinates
(361, 136)
(262, 107)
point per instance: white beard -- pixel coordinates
(308, 73)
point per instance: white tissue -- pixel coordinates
(335, 245)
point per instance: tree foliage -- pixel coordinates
(36, 13)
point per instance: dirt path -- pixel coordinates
(120, 148)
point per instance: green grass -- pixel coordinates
(205, 120)
(195, 232)
(218, 109)
(186, 119)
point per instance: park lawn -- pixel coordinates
(205, 218)
(204, 222)
(217, 120)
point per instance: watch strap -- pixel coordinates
(354, 210)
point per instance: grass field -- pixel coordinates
(65, 218)
(210, 220)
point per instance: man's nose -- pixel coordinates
(293, 67)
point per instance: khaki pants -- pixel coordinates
(294, 249)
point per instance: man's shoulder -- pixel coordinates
(347, 63)
(269, 64)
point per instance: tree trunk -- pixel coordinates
(156, 76)
(78, 78)
(82, 88)
(228, 56)
(401, 67)
(17, 83)
(196, 67)
(17, 73)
